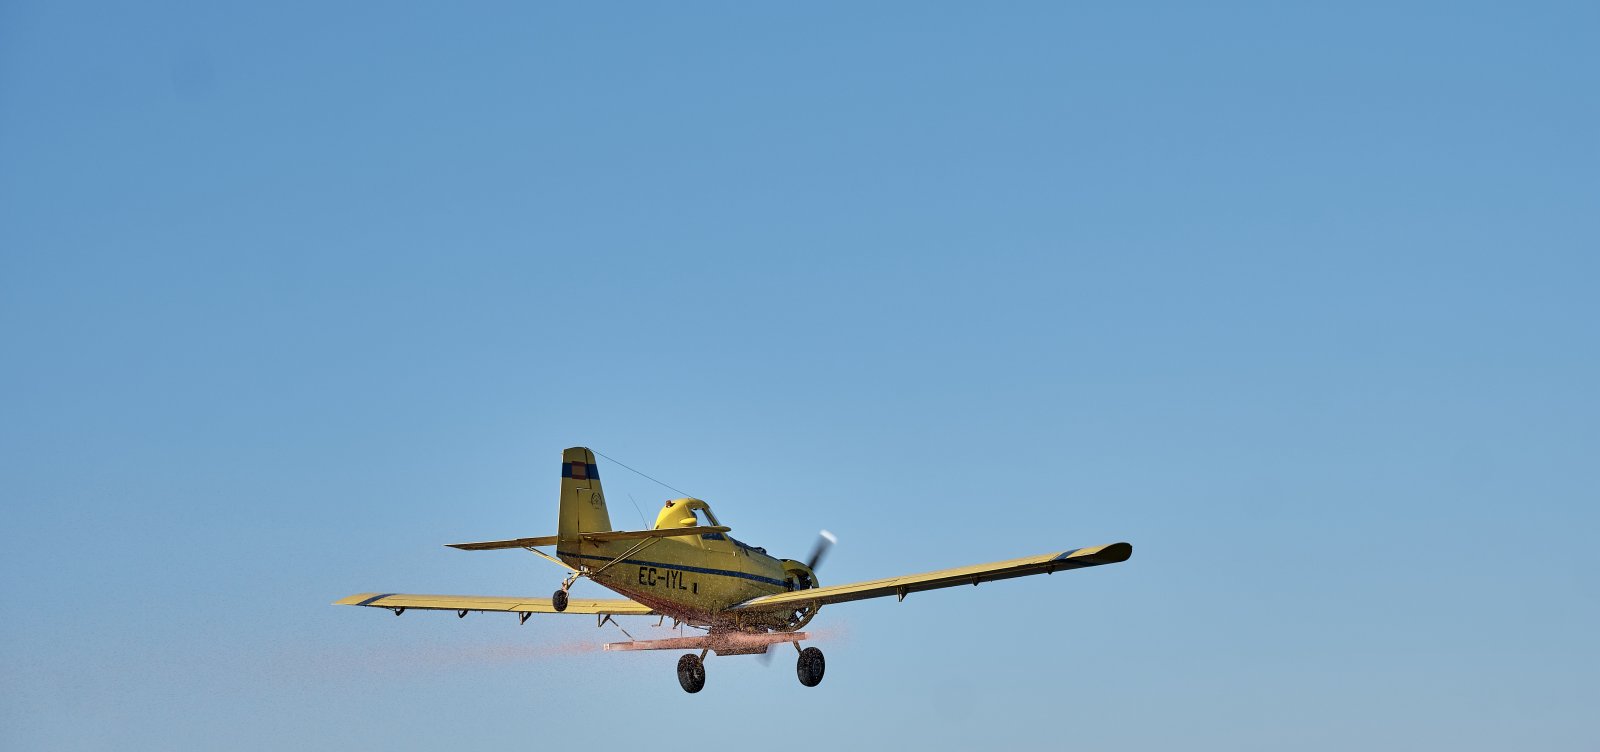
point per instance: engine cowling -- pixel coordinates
(797, 576)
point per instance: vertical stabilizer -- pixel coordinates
(583, 502)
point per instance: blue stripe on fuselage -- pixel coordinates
(682, 567)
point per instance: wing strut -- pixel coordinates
(548, 557)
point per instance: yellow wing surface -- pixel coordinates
(972, 575)
(522, 605)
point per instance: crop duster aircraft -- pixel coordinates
(689, 569)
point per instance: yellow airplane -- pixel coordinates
(689, 569)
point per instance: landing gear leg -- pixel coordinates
(558, 600)
(691, 673)
(810, 667)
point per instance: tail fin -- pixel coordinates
(583, 502)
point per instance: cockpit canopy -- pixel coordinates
(696, 513)
(685, 513)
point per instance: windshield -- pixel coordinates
(704, 518)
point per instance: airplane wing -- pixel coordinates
(464, 603)
(916, 583)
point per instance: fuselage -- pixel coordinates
(691, 578)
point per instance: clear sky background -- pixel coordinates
(1302, 303)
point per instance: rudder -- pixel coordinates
(583, 501)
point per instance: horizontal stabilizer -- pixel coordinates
(599, 537)
(663, 533)
(546, 540)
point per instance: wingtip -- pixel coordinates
(1114, 553)
(1111, 553)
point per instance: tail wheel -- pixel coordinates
(810, 667)
(692, 673)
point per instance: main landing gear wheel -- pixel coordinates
(559, 600)
(692, 673)
(810, 667)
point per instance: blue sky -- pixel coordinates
(1299, 301)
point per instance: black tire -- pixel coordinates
(691, 673)
(810, 667)
(559, 600)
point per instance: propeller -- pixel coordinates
(825, 541)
